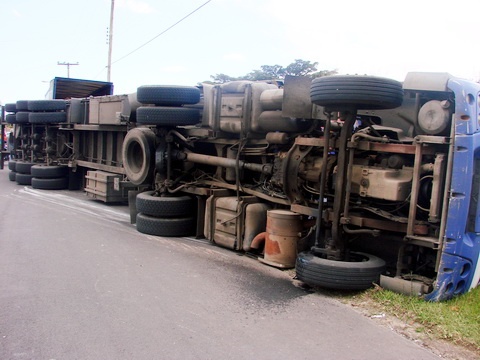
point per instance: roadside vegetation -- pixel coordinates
(457, 320)
(276, 72)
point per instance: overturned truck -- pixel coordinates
(351, 180)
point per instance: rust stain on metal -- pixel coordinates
(272, 247)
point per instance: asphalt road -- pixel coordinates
(77, 281)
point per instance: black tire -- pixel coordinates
(12, 165)
(52, 171)
(165, 226)
(342, 275)
(11, 107)
(11, 118)
(21, 117)
(164, 206)
(46, 105)
(138, 153)
(22, 105)
(12, 175)
(360, 92)
(168, 95)
(23, 179)
(24, 167)
(167, 116)
(47, 117)
(50, 184)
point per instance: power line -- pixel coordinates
(163, 32)
(100, 72)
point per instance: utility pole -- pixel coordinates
(110, 39)
(68, 66)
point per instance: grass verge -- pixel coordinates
(457, 320)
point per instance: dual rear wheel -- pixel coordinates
(165, 215)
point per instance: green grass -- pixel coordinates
(457, 320)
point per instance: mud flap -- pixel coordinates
(132, 206)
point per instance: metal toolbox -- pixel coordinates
(112, 109)
(106, 187)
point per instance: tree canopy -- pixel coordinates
(277, 72)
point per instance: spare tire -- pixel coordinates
(357, 91)
(138, 153)
(344, 275)
(168, 95)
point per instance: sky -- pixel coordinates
(233, 37)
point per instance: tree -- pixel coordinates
(256, 75)
(301, 68)
(222, 78)
(274, 71)
(277, 72)
(324, 73)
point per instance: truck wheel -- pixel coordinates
(12, 175)
(167, 116)
(11, 165)
(24, 167)
(168, 95)
(165, 226)
(52, 171)
(11, 107)
(164, 206)
(22, 105)
(23, 179)
(360, 92)
(138, 153)
(345, 275)
(47, 117)
(46, 105)
(21, 117)
(50, 184)
(11, 118)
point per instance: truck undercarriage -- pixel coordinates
(350, 179)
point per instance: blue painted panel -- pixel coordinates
(461, 249)
(466, 105)
(454, 277)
